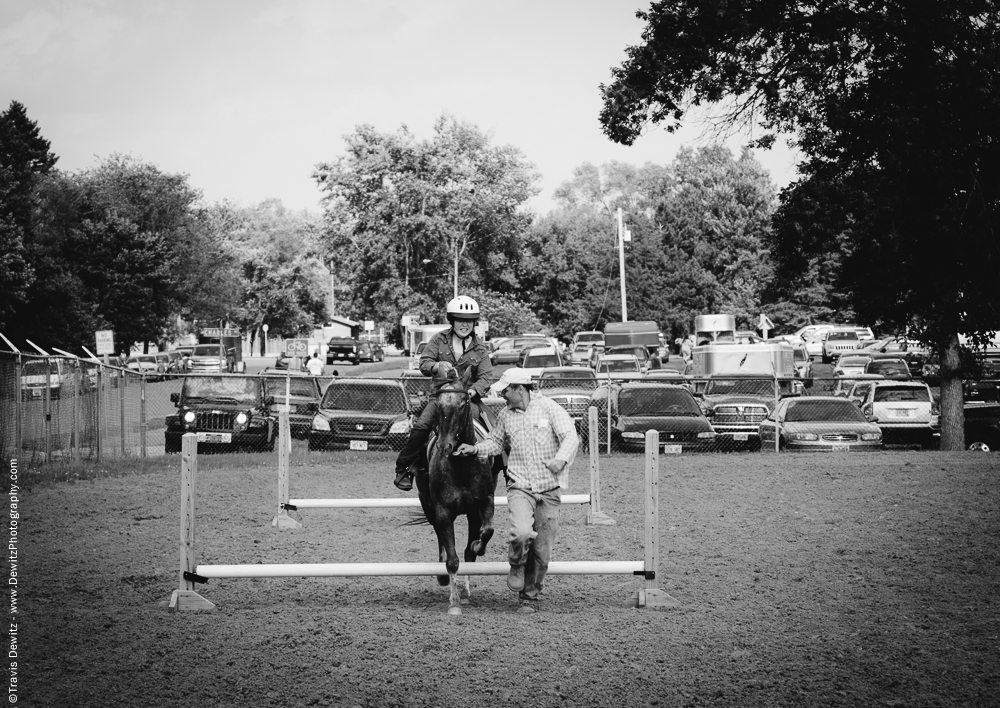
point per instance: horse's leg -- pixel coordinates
(447, 553)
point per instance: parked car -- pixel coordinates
(905, 411)
(845, 387)
(851, 365)
(571, 387)
(227, 413)
(54, 374)
(370, 351)
(671, 410)
(177, 364)
(817, 423)
(511, 351)
(982, 427)
(913, 353)
(891, 368)
(145, 364)
(981, 390)
(419, 388)
(579, 354)
(803, 364)
(297, 390)
(538, 359)
(639, 352)
(362, 414)
(735, 404)
(211, 359)
(837, 341)
(618, 366)
(164, 365)
(814, 343)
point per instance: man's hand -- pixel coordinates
(465, 449)
(555, 466)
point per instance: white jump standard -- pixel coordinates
(186, 598)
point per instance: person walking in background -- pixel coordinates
(543, 442)
(315, 365)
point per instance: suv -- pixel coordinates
(838, 341)
(904, 410)
(211, 359)
(226, 413)
(571, 388)
(38, 374)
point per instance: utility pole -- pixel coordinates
(623, 235)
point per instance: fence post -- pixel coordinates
(47, 411)
(595, 516)
(777, 398)
(18, 421)
(77, 380)
(98, 404)
(142, 417)
(121, 415)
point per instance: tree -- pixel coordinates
(893, 103)
(24, 159)
(403, 216)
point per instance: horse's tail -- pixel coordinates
(417, 518)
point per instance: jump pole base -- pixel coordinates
(654, 598)
(599, 518)
(188, 601)
(283, 521)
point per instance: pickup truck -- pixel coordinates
(345, 348)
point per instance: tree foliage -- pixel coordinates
(400, 211)
(894, 104)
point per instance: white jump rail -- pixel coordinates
(285, 504)
(186, 598)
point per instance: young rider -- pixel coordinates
(461, 348)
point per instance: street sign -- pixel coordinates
(105, 342)
(220, 332)
(297, 347)
(405, 321)
(369, 325)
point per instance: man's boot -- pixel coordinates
(404, 479)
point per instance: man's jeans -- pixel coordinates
(534, 522)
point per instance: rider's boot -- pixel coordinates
(407, 456)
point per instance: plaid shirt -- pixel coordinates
(542, 432)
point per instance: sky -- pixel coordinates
(246, 97)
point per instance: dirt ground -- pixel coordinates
(803, 580)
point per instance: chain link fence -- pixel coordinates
(64, 408)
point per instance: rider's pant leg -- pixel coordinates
(417, 439)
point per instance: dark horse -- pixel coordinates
(452, 486)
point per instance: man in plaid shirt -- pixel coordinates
(543, 443)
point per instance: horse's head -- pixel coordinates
(453, 408)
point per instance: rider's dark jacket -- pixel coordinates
(475, 357)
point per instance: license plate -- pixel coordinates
(215, 437)
(671, 449)
(840, 447)
(359, 444)
(740, 437)
(902, 412)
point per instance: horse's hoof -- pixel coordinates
(463, 601)
(454, 610)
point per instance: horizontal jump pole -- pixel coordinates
(395, 502)
(347, 570)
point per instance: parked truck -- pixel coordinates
(645, 333)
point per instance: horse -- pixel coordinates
(451, 486)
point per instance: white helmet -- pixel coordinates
(463, 307)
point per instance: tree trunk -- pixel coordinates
(952, 404)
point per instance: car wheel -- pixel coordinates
(171, 448)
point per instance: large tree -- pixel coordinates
(893, 103)
(24, 159)
(404, 215)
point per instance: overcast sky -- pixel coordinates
(246, 96)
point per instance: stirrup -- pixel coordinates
(404, 480)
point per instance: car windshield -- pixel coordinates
(37, 368)
(297, 386)
(853, 361)
(353, 397)
(206, 350)
(589, 337)
(536, 360)
(143, 359)
(657, 402)
(893, 394)
(619, 365)
(840, 411)
(529, 343)
(800, 354)
(887, 368)
(842, 336)
(740, 387)
(237, 388)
